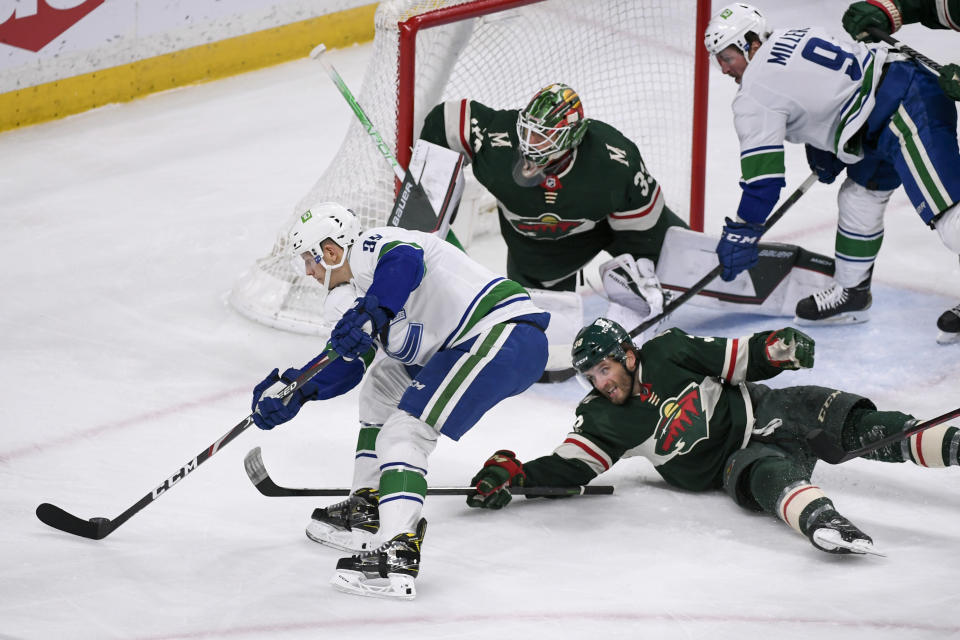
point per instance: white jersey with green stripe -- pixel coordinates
(456, 299)
(808, 86)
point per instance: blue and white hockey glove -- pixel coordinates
(738, 248)
(790, 348)
(353, 335)
(268, 411)
(827, 165)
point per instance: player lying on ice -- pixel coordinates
(690, 406)
(457, 339)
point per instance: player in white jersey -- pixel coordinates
(456, 340)
(809, 86)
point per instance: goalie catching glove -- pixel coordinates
(492, 483)
(789, 349)
(633, 284)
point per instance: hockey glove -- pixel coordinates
(827, 165)
(738, 248)
(633, 284)
(861, 15)
(353, 335)
(493, 481)
(267, 410)
(789, 349)
(950, 81)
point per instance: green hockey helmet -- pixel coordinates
(600, 339)
(551, 124)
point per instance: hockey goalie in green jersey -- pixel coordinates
(694, 408)
(567, 187)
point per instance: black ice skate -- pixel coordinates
(836, 305)
(831, 532)
(349, 525)
(386, 572)
(949, 325)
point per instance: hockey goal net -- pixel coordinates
(637, 64)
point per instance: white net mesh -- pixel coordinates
(631, 61)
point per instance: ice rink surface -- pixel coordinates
(123, 230)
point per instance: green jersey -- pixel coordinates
(604, 198)
(692, 412)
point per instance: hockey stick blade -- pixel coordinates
(702, 283)
(94, 528)
(100, 528)
(831, 452)
(257, 472)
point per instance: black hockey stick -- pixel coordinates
(831, 452)
(258, 475)
(913, 53)
(99, 528)
(701, 284)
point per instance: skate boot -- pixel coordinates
(349, 525)
(836, 305)
(831, 532)
(949, 325)
(386, 572)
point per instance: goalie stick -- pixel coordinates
(257, 472)
(831, 452)
(99, 528)
(411, 206)
(701, 284)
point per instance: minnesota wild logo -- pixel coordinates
(547, 223)
(682, 423)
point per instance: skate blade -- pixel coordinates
(353, 541)
(850, 317)
(395, 586)
(830, 541)
(948, 338)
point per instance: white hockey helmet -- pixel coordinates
(732, 25)
(322, 221)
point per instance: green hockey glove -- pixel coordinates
(950, 80)
(501, 471)
(861, 15)
(789, 349)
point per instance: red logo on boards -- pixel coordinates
(33, 24)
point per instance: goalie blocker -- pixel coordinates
(784, 274)
(431, 190)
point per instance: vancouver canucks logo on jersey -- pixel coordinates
(547, 223)
(682, 422)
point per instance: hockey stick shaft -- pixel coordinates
(317, 54)
(701, 284)
(257, 472)
(913, 53)
(99, 528)
(832, 453)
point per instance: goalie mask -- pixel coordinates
(600, 339)
(731, 26)
(324, 221)
(547, 128)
